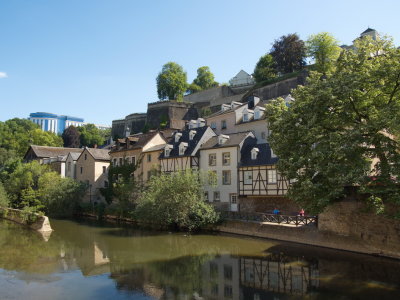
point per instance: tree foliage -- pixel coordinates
(4, 202)
(325, 50)
(176, 200)
(339, 125)
(289, 53)
(171, 82)
(18, 134)
(71, 137)
(41, 189)
(91, 136)
(265, 68)
(205, 78)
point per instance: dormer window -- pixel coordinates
(201, 122)
(192, 124)
(225, 107)
(192, 133)
(177, 136)
(254, 153)
(245, 117)
(222, 139)
(167, 150)
(273, 155)
(182, 148)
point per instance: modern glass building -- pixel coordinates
(54, 123)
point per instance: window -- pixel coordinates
(226, 177)
(248, 177)
(212, 177)
(212, 159)
(223, 124)
(256, 115)
(213, 125)
(213, 270)
(120, 161)
(263, 135)
(271, 176)
(227, 272)
(133, 160)
(233, 199)
(226, 158)
(214, 289)
(167, 152)
(106, 184)
(104, 169)
(115, 162)
(216, 196)
(69, 167)
(81, 170)
(148, 157)
(85, 156)
(192, 133)
(206, 196)
(228, 291)
(245, 117)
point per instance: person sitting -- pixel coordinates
(276, 211)
(301, 212)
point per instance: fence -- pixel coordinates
(272, 218)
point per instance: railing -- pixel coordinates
(272, 218)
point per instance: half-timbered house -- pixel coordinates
(181, 152)
(259, 180)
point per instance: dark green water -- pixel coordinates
(88, 260)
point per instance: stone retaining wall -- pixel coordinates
(42, 224)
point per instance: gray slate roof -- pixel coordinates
(185, 138)
(234, 140)
(263, 156)
(99, 154)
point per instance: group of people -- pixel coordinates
(276, 211)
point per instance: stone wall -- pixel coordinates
(343, 226)
(210, 94)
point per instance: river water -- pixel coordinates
(90, 260)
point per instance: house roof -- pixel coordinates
(46, 151)
(191, 144)
(155, 148)
(263, 156)
(136, 141)
(99, 154)
(222, 112)
(74, 155)
(368, 30)
(234, 140)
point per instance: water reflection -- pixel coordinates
(111, 262)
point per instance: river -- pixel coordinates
(92, 260)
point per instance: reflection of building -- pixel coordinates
(221, 278)
(275, 274)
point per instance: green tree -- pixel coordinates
(91, 136)
(176, 200)
(18, 134)
(338, 124)
(171, 82)
(289, 53)
(37, 187)
(3, 197)
(325, 50)
(265, 68)
(71, 137)
(205, 78)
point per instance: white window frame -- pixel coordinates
(272, 176)
(224, 178)
(226, 161)
(217, 196)
(248, 177)
(214, 161)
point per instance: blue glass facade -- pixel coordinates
(54, 123)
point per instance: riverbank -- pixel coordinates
(32, 220)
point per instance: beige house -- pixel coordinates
(220, 156)
(142, 149)
(70, 164)
(92, 168)
(241, 117)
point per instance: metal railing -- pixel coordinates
(272, 218)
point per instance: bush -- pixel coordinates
(176, 200)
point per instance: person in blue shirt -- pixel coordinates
(276, 211)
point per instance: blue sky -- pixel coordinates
(98, 59)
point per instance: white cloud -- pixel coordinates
(3, 75)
